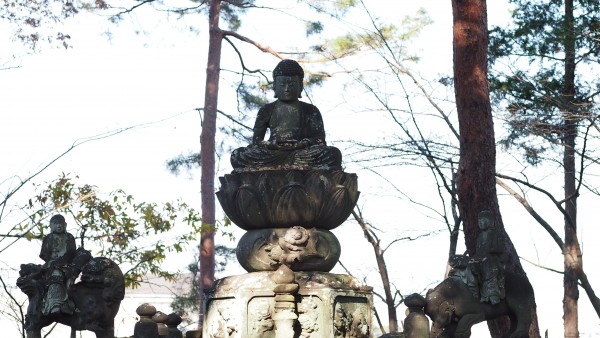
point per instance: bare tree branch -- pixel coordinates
(17, 306)
(533, 213)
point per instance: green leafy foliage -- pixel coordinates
(528, 62)
(385, 36)
(37, 21)
(335, 8)
(136, 235)
(314, 27)
(251, 97)
(186, 162)
(231, 10)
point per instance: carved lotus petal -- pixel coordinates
(293, 206)
(283, 199)
(249, 207)
(340, 200)
(318, 186)
(267, 188)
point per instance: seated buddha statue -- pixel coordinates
(297, 136)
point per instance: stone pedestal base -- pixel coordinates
(326, 305)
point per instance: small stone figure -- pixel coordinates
(416, 324)
(58, 250)
(173, 320)
(297, 135)
(145, 327)
(490, 254)
(159, 318)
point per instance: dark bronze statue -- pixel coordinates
(297, 136)
(90, 304)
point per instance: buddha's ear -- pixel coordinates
(301, 87)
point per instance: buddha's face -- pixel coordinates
(58, 227)
(288, 88)
(485, 223)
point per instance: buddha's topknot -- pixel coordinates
(288, 68)
(58, 219)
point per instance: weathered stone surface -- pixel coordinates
(282, 199)
(54, 295)
(160, 318)
(327, 305)
(299, 248)
(97, 297)
(288, 192)
(173, 320)
(468, 310)
(193, 334)
(416, 324)
(145, 327)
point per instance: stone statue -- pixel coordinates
(453, 310)
(288, 190)
(416, 324)
(90, 304)
(490, 254)
(297, 135)
(58, 250)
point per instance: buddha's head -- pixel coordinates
(287, 77)
(58, 224)
(486, 220)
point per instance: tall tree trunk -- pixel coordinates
(572, 255)
(207, 151)
(476, 183)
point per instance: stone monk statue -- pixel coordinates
(490, 253)
(297, 136)
(58, 249)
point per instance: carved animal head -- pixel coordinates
(103, 273)
(29, 275)
(441, 311)
(97, 270)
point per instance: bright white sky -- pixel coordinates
(156, 79)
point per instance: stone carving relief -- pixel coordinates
(359, 327)
(225, 325)
(299, 248)
(260, 317)
(308, 318)
(350, 321)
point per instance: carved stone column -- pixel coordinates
(285, 302)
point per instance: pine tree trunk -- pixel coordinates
(477, 168)
(476, 182)
(572, 256)
(207, 151)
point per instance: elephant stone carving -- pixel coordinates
(453, 309)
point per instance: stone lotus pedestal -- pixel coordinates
(288, 250)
